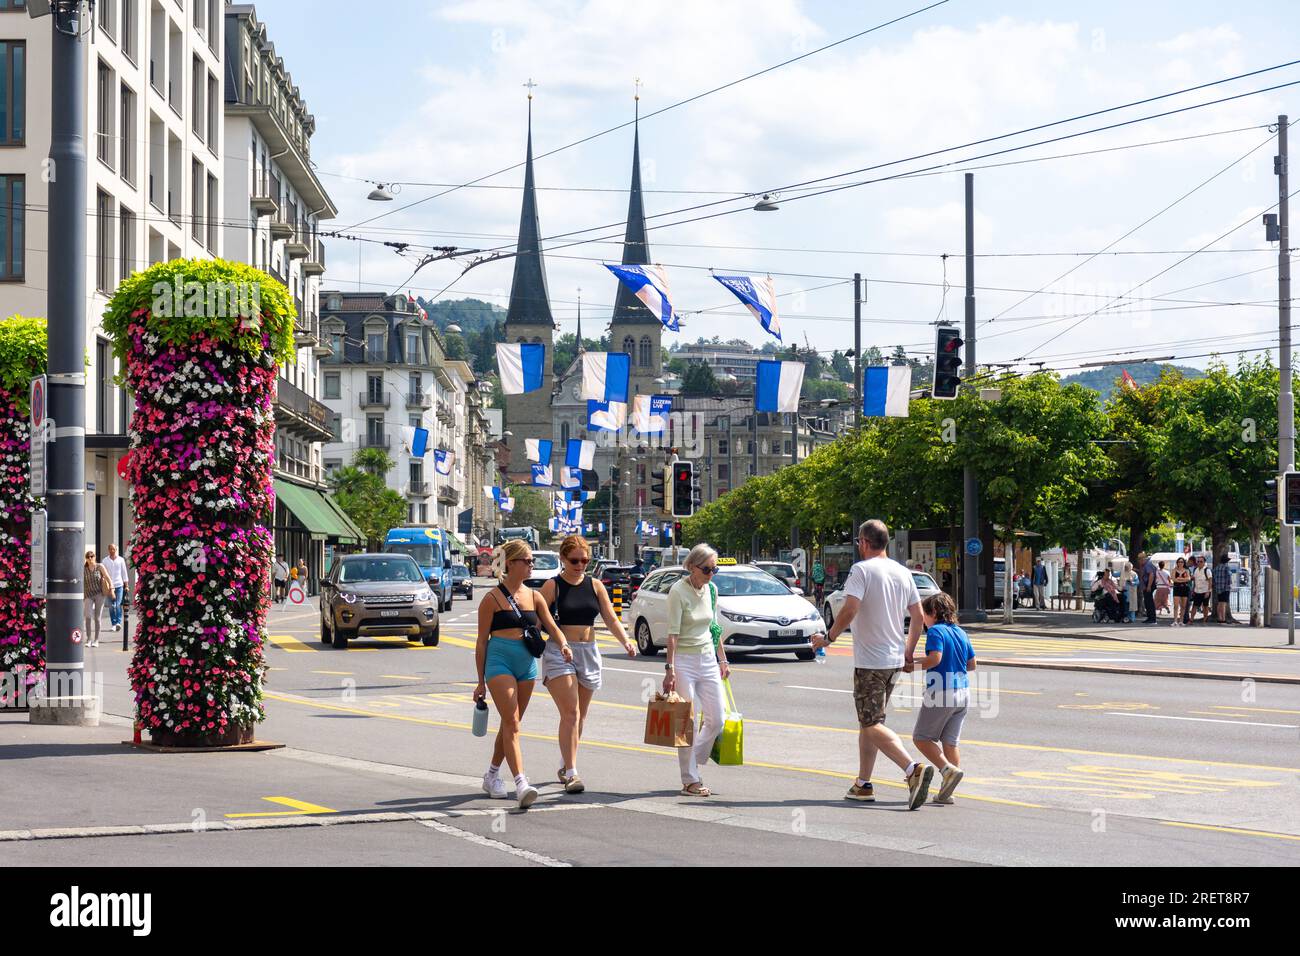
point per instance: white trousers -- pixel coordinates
(699, 680)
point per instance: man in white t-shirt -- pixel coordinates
(878, 594)
(116, 566)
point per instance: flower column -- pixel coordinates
(201, 343)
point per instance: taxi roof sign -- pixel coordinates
(722, 561)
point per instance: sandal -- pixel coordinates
(696, 790)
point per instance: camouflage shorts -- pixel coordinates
(871, 690)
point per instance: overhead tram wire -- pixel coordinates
(1150, 219)
(665, 109)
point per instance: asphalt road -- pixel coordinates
(1063, 768)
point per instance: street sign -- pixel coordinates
(296, 594)
(974, 547)
(37, 403)
(39, 532)
(36, 463)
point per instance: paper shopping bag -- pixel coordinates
(668, 722)
(729, 748)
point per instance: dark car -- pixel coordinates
(377, 595)
(461, 581)
(629, 576)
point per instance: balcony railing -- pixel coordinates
(264, 201)
(419, 400)
(418, 489)
(376, 356)
(446, 414)
(378, 441)
(293, 406)
(371, 399)
(306, 330)
(314, 264)
(448, 495)
(296, 246)
(281, 227)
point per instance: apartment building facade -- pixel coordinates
(154, 147)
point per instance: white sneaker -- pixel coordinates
(117, 627)
(526, 793)
(495, 787)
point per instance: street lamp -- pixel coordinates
(382, 192)
(767, 203)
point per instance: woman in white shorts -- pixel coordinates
(577, 598)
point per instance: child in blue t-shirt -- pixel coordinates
(948, 658)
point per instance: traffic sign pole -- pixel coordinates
(970, 609)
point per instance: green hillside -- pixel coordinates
(1105, 379)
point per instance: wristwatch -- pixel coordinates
(668, 667)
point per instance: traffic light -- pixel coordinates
(1291, 498)
(682, 502)
(1271, 499)
(677, 532)
(661, 491)
(947, 362)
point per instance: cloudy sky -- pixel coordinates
(432, 93)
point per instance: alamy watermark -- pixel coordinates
(214, 300)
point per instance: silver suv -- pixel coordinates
(377, 595)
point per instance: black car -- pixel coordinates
(461, 581)
(629, 576)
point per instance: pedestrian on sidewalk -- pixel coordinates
(1182, 582)
(696, 665)
(280, 572)
(878, 594)
(1129, 582)
(1148, 573)
(575, 599)
(1202, 583)
(1222, 587)
(946, 697)
(1163, 582)
(506, 667)
(117, 577)
(1040, 585)
(1107, 595)
(95, 588)
(303, 575)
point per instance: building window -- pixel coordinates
(788, 446)
(564, 434)
(336, 427)
(629, 346)
(722, 446)
(417, 471)
(106, 108)
(412, 348)
(375, 430)
(104, 223)
(415, 384)
(375, 351)
(196, 200)
(13, 197)
(129, 20)
(214, 113)
(374, 388)
(332, 387)
(125, 241)
(126, 107)
(103, 376)
(107, 17)
(724, 473)
(644, 359)
(197, 89)
(332, 465)
(13, 92)
(212, 214)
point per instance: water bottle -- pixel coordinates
(480, 718)
(820, 657)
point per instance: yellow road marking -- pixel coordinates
(1257, 710)
(290, 644)
(363, 650)
(401, 677)
(1216, 713)
(1109, 753)
(336, 673)
(1235, 830)
(299, 808)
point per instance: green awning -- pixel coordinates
(315, 512)
(355, 535)
(456, 543)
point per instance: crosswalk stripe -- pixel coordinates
(289, 643)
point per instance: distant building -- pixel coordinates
(738, 361)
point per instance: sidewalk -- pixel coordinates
(1065, 624)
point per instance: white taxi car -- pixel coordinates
(546, 565)
(758, 614)
(925, 586)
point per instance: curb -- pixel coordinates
(1144, 671)
(1087, 635)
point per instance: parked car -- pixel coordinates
(758, 613)
(783, 570)
(629, 575)
(546, 565)
(461, 581)
(377, 595)
(925, 586)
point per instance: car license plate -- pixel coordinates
(389, 613)
(792, 632)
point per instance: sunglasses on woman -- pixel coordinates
(527, 561)
(579, 562)
(712, 570)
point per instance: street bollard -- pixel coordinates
(126, 622)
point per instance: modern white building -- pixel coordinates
(274, 203)
(155, 179)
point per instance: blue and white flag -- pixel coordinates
(778, 386)
(542, 475)
(605, 376)
(650, 285)
(759, 296)
(442, 460)
(650, 413)
(539, 449)
(605, 416)
(520, 365)
(573, 495)
(492, 492)
(507, 504)
(601, 527)
(570, 477)
(886, 390)
(580, 454)
(416, 440)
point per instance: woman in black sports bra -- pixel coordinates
(577, 599)
(505, 665)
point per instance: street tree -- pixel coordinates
(362, 491)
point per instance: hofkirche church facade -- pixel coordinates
(556, 410)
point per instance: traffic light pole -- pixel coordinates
(66, 699)
(970, 609)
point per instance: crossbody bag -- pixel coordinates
(533, 641)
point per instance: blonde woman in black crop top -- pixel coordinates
(577, 599)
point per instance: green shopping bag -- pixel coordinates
(729, 748)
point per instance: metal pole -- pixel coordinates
(66, 700)
(613, 470)
(1285, 397)
(753, 414)
(794, 460)
(857, 351)
(970, 603)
